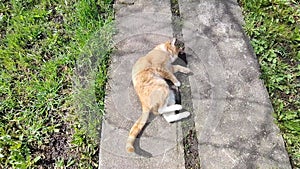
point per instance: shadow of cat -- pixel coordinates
(138, 149)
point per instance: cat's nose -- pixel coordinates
(181, 50)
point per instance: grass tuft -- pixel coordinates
(274, 29)
(42, 43)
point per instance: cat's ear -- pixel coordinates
(173, 42)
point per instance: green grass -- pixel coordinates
(42, 42)
(274, 29)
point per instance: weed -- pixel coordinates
(41, 43)
(273, 26)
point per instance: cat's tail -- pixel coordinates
(135, 130)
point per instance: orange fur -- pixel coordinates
(148, 75)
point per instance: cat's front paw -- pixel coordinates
(177, 84)
(186, 70)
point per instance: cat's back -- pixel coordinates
(141, 64)
(157, 57)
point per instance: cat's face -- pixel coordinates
(173, 49)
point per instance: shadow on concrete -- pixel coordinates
(138, 149)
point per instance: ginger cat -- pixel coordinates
(148, 76)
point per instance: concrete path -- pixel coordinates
(231, 124)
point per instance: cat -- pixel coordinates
(148, 76)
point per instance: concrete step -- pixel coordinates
(140, 26)
(231, 112)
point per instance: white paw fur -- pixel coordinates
(170, 108)
(177, 84)
(184, 114)
(171, 117)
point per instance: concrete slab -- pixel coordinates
(140, 27)
(233, 115)
(231, 112)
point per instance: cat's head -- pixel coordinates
(174, 48)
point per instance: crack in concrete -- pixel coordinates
(190, 141)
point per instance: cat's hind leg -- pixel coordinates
(171, 116)
(169, 105)
(167, 109)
